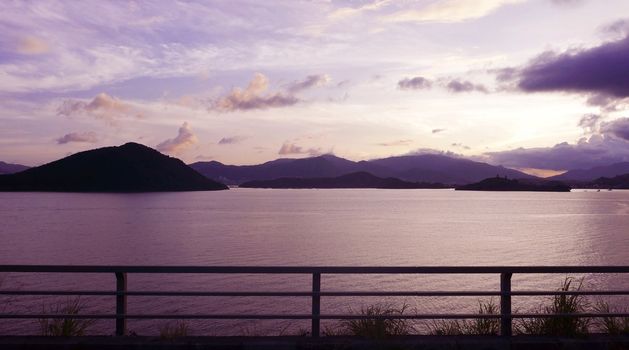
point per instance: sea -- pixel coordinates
(305, 227)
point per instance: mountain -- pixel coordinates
(504, 184)
(353, 180)
(8, 168)
(128, 168)
(593, 173)
(441, 168)
(416, 168)
(617, 182)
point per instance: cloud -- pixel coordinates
(421, 151)
(619, 128)
(567, 2)
(88, 137)
(203, 157)
(415, 83)
(460, 145)
(589, 122)
(31, 45)
(103, 106)
(309, 82)
(610, 144)
(404, 142)
(254, 96)
(620, 26)
(448, 11)
(184, 139)
(231, 140)
(436, 131)
(457, 86)
(348, 12)
(291, 148)
(601, 72)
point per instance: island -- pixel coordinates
(504, 184)
(359, 179)
(131, 167)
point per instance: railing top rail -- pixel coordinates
(313, 269)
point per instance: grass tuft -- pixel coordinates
(479, 326)
(375, 328)
(173, 331)
(611, 325)
(64, 327)
(560, 304)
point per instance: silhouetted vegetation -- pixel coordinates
(173, 331)
(611, 325)
(560, 304)
(64, 327)
(477, 326)
(378, 327)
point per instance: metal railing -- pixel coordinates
(121, 293)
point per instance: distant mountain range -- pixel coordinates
(428, 168)
(616, 182)
(8, 168)
(128, 168)
(593, 173)
(353, 180)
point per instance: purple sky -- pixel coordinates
(530, 84)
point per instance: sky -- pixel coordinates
(537, 85)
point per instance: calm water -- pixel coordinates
(303, 227)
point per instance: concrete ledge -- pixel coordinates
(327, 343)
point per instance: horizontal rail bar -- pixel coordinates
(305, 316)
(309, 294)
(315, 269)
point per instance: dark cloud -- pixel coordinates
(309, 82)
(231, 140)
(88, 137)
(436, 131)
(415, 83)
(185, 138)
(460, 145)
(404, 142)
(254, 96)
(619, 128)
(457, 86)
(620, 26)
(589, 122)
(609, 144)
(291, 148)
(601, 71)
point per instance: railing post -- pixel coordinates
(121, 303)
(505, 305)
(316, 304)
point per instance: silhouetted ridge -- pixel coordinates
(354, 180)
(414, 168)
(8, 168)
(594, 173)
(128, 168)
(504, 184)
(616, 182)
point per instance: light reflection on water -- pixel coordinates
(304, 227)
